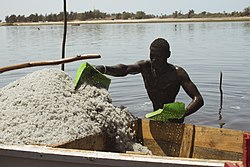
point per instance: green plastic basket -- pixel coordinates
(86, 74)
(174, 110)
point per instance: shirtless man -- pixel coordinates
(162, 80)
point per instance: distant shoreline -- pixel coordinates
(154, 20)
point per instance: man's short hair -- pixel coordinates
(161, 44)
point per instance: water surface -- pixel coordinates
(202, 49)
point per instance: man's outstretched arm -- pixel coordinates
(192, 91)
(120, 69)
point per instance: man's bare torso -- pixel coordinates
(162, 88)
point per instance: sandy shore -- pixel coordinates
(154, 20)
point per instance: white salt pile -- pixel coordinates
(43, 108)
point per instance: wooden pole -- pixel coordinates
(64, 33)
(221, 92)
(221, 97)
(50, 62)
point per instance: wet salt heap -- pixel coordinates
(43, 108)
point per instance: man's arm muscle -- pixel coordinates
(192, 91)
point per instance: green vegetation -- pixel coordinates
(98, 15)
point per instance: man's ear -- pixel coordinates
(169, 53)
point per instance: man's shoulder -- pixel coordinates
(181, 71)
(178, 68)
(143, 62)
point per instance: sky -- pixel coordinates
(156, 7)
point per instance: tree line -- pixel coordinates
(98, 15)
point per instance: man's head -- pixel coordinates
(159, 52)
(161, 45)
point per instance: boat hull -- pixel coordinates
(172, 144)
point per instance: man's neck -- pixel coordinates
(164, 68)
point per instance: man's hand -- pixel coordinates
(100, 68)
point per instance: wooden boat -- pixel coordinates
(172, 144)
(191, 141)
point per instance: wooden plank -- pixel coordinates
(206, 153)
(223, 144)
(30, 156)
(148, 139)
(10, 161)
(219, 139)
(162, 138)
(163, 131)
(187, 144)
(98, 142)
